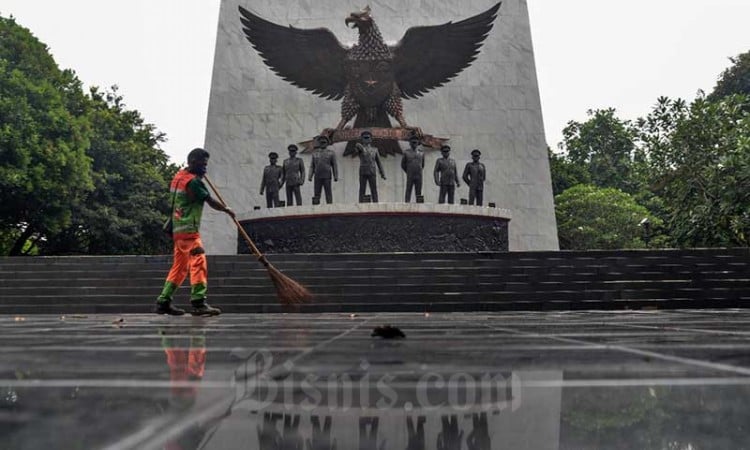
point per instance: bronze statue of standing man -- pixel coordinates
(368, 161)
(322, 168)
(413, 164)
(446, 175)
(293, 174)
(272, 181)
(474, 176)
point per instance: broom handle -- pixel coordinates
(242, 231)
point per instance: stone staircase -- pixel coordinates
(434, 282)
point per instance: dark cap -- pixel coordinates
(413, 137)
(322, 139)
(475, 152)
(292, 148)
(273, 155)
(365, 133)
(196, 154)
(445, 148)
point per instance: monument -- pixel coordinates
(489, 100)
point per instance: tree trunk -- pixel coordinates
(17, 249)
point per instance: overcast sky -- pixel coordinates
(589, 53)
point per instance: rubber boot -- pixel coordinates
(167, 308)
(201, 308)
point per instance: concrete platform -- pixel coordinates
(544, 380)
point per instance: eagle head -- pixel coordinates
(361, 19)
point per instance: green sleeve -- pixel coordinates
(197, 189)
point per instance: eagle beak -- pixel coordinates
(351, 20)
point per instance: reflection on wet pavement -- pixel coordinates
(577, 380)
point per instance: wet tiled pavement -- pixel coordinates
(571, 380)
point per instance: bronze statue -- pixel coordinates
(450, 435)
(293, 174)
(268, 435)
(371, 76)
(416, 439)
(322, 167)
(272, 181)
(368, 160)
(413, 164)
(446, 175)
(369, 440)
(474, 176)
(479, 438)
(321, 436)
(291, 437)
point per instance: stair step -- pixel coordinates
(393, 282)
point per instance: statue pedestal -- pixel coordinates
(376, 228)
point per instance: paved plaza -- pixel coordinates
(554, 380)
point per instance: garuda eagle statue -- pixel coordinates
(371, 76)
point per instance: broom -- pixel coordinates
(289, 291)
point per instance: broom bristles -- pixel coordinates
(289, 291)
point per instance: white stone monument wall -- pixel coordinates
(493, 105)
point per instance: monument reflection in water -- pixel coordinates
(411, 406)
(361, 408)
(394, 404)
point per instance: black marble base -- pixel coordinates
(377, 233)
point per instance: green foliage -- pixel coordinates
(687, 163)
(597, 411)
(565, 173)
(23, 52)
(659, 417)
(735, 79)
(124, 213)
(590, 217)
(78, 173)
(604, 145)
(43, 137)
(699, 164)
(8, 237)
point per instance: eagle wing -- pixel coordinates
(312, 59)
(428, 57)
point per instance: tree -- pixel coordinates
(124, 212)
(605, 145)
(565, 173)
(43, 137)
(78, 173)
(687, 163)
(590, 217)
(699, 164)
(653, 417)
(734, 80)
